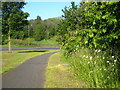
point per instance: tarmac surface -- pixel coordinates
(30, 74)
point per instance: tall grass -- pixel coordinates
(98, 69)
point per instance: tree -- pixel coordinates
(38, 20)
(39, 32)
(13, 19)
(0, 24)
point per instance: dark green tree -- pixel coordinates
(38, 20)
(13, 19)
(0, 22)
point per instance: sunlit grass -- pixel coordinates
(58, 75)
(12, 60)
(30, 42)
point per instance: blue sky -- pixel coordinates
(45, 9)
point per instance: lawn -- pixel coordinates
(58, 75)
(12, 60)
(30, 42)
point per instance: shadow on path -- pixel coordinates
(33, 51)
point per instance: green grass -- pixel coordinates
(58, 75)
(12, 60)
(27, 41)
(97, 68)
(30, 41)
(16, 46)
(46, 42)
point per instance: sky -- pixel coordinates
(45, 9)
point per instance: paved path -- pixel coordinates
(30, 74)
(4, 49)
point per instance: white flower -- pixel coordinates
(83, 55)
(107, 61)
(86, 56)
(95, 50)
(95, 62)
(77, 46)
(99, 50)
(91, 71)
(103, 57)
(90, 57)
(88, 62)
(113, 56)
(115, 60)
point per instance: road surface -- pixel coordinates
(30, 74)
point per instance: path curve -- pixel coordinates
(30, 74)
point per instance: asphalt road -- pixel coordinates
(30, 74)
(4, 49)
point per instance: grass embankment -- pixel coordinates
(97, 68)
(58, 74)
(30, 42)
(12, 60)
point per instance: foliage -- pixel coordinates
(39, 32)
(43, 29)
(0, 24)
(95, 26)
(13, 18)
(96, 68)
(91, 25)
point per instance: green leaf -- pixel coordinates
(104, 30)
(91, 35)
(94, 22)
(116, 37)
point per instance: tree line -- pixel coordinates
(16, 26)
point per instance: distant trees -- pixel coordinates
(43, 29)
(16, 26)
(39, 33)
(13, 20)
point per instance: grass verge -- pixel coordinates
(58, 74)
(30, 42)
(17, 57)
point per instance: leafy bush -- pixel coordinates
(95, 26)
